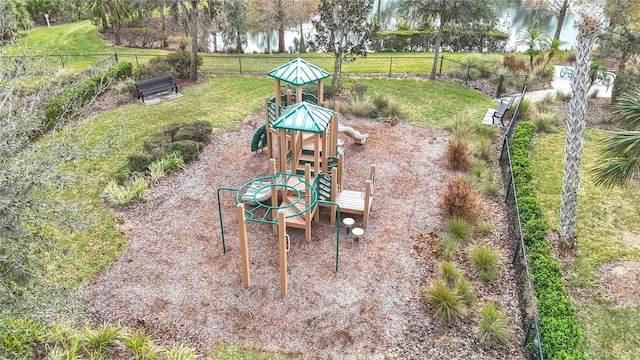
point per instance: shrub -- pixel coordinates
(189, 149)
(100, 340)
(180, 62)
(156, 66)
(157, 170)
(459, 228)
(460, 200)
(486, 260)
(196, 131)
(174, 161)
(511, 62)
(19, 338)
(493, 325)
(139, 162)
(181, 352)
(458, 154)
(447, 303)
(141, 345)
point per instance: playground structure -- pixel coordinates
(305, 167)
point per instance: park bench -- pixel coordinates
(503, 107)
(155, 85)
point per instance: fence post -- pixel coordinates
(62, 61)
(240, 63)
(441, 61)
(390, 65)
(499, 90)
(136, 55)
(115, 54)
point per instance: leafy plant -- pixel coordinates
(493, 325)
(98, 341)
(447, 303)
(459, 228)
(181, 352)
(174, 161)
(117, 194)
(157, 170)
(139, 187)
(20, 337)
(141, 345)
(486, 260)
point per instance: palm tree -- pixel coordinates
(587, 35)
(552, 51)
(620, 152)
(536, 42)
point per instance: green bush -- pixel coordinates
(155, 67)
(561, 335)
(180, 62)
(196, 131)
(139, 162)
(189, 149)
(625, 83)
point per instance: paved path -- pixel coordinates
(559, 84)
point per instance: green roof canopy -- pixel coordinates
(304, 116)
(298, 72)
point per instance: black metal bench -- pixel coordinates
(155, 85)
(503, 107)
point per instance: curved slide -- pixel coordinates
(260, 191)
(353, 133)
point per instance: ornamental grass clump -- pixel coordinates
(446, 302)
(461, 200)
(448, 245)
(486, 259)
(458, 154)
(493, 325)
(459, 228)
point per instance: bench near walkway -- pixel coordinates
(498, 114)
(155, 86)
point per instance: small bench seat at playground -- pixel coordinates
(503, 107)
(155, 86)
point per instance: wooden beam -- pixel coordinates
(244, 247)
(278, 102)
(282, 251)
(268, 128)
(320, 91)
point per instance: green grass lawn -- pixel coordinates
(605, 218)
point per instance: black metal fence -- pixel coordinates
(532, 341)
(483, 80)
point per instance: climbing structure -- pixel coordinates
(306, 167)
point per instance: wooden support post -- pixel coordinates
(320, 91)
(244, 247)
(324, 140)
(274, 194)
(340, 176)
(268, 128)
(334, 129)
(282, 153)
(298, 94)
(288, 97)
(317, 158)
(282, 251)
(278, 102)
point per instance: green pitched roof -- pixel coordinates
(304, 116)
(298, 72)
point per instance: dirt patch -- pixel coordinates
(620, 281)
(174, 280)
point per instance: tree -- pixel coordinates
(588, 30)
(552, 51)
(279, 15)
(536, 42)
(235, 24)
(451, 14)
(559, 8)
(344, 28)
(13, 17)
(620, 153)
(191, 11)
(621, 39)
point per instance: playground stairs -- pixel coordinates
(300, 221)
(307, 156)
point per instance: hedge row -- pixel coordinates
(561, 335)
(424, 40)
(63, 105)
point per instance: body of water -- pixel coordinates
(517, 16)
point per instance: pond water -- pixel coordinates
(517, 16)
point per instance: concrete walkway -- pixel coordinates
(559, 84)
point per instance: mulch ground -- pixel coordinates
(174, 281)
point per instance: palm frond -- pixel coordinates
(627, 110)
